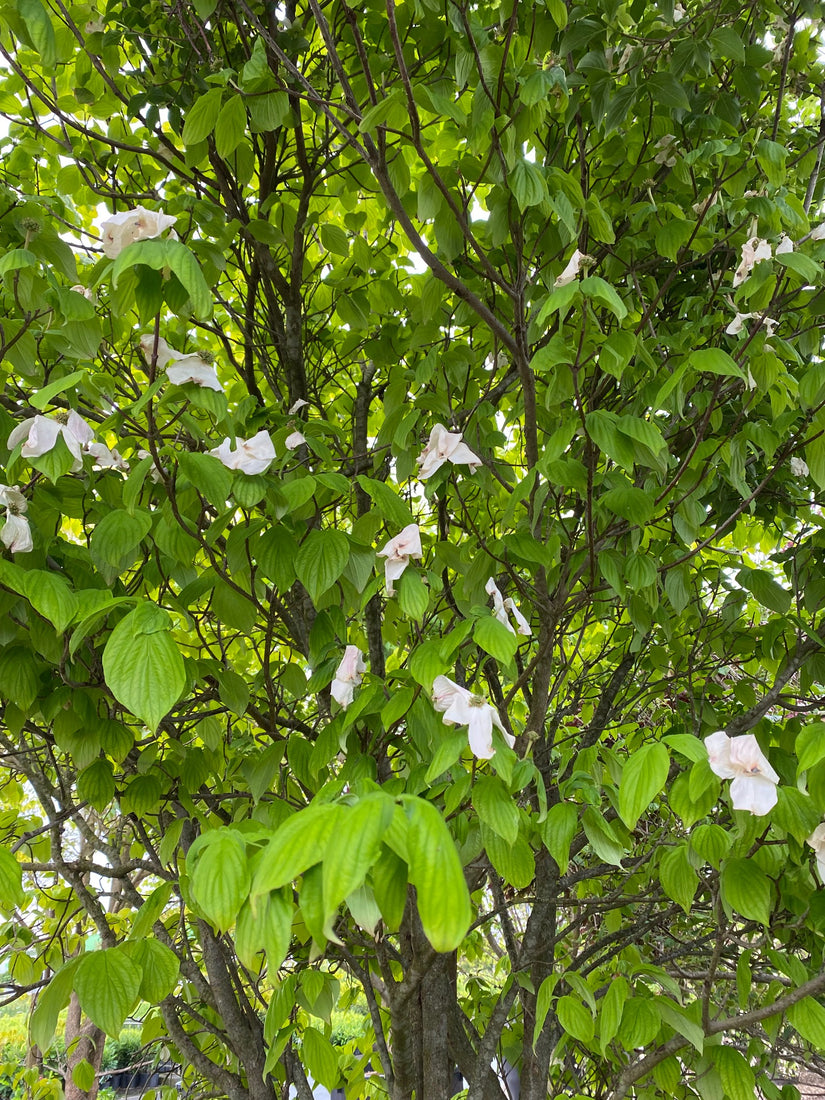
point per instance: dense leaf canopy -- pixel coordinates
(413, 447)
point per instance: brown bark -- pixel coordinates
(83, 1040)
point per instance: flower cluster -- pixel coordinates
(41, 434)
(461, 707)
(740, 759)
(444, 446)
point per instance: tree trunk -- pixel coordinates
(83, 1040)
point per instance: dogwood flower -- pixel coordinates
(250, 456)
(574, 265)
(799, 467)
(461, 707)
(667, 147)
(293, 440)
(754, 251)
(398, 551)
(444, 446)
(818, 234)
(785, 245)
(16, 534)
(132, 225)
(348, 675)
(817, 842)
(299, 404)
(502, 609)
(180, 366)
(738, 323)
(740, 759)
(106, 459)
(41, 435)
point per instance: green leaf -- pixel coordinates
(202, 116)
(107, 984)
(321, 560)
(50, 1003)
(679, 880)
(599, 290)
(142, 665)
(808, 1018)
(796, 813)
(610, 1011)
(159, 968)
(666, 89)
(160, 254)
(682, 1024)
(528, 184)
(49, 594)
(737, 1076)
(810, 746)
(11, 880)
(353, 847)
(632, 504)
(747, 889)
(413, 594)
(495, 639)
(435, 870)
(40, 30)
(230, 126)
(208, 475)
(390, 506)
(83, 1075)
(219, 875)
(575, 1019)
(601, 837)
(803, 265)
(117, 536)
(320, 1057)
(96, 784)
(335, 240)
(296, 845)
(514, 862)
(711, 843)
(765, 589)
(267, 927)
(44, 396)
(558, 830)
(715, 361)
(643, 777)
(495, 807)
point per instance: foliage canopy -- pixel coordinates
(584, 236)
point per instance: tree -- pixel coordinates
(527, 298)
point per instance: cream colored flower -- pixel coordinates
(41, 434)
(740, 759)
(122, 229)
(785, 245)
(799, 467)
(250, 456)
(106, 459)
(502, 609)
(181, 367)
(461, 707)
(398, 551)
(817, 842)
(293, 440)
(754, 251)
(444, 446)
(347, 676)
(574, 266)
(16, 534)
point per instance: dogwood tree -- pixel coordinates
(413, 442)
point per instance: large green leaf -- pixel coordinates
(50, 1003)
(143, 666)
(298, 844)
(219, 875)
(321, 560)
(643, 777)
(107, 984)
(353, 847)
(435, 870)
(747, 889)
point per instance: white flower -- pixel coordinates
(88, 294)
(12, 498)
(754, 251)
(444, 446)
(785, 245)
(461, 707)
(818, 234)
(156, 474)
(41, 435)
(16, 534)
(738, 323)
(185, 366)
(740, 759)
(295, 439)
(574, 264)
(132, 225)
(799, 467)
(348, 675)
(398, 551)
(299, 404)
(502, 609)
(817, 842)
(667, 150)
(106, 459)
(251, 456)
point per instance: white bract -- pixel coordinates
(106, 459)
(667, 147)
(16, 534)
(299, 404)
(295, 439)
(398, 551)
(785, 245)
(754, 251)
(502, 609)
(740, 759)
(444, 446)
(250, 456)
(132, 225)
(799, 467)
(574, 266)
(348, 675)
(180, 366)
(41, 435)
(738, 323)
(461, 707)
(817, 842)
